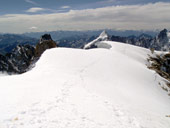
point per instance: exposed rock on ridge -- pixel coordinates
(161, 64)
(24, 56)
(46, 42)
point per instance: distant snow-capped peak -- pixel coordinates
(94, 44)
(104, 36)
(168, 34)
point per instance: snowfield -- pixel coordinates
(97, 88)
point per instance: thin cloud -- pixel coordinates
(45, 10)
(35, 9)
(126, 17)
(65, 7)
(31, 2)
(33, 28)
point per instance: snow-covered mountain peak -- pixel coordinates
(168, 34)
(98, 41)
(162, 40)
(104, 35)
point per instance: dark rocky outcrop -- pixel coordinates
(24, 56)
(161, 41)
(21, 57)
(19, 60)
(46, 42)
(161, 64)
(5, 65)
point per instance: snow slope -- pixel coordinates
(98, 88)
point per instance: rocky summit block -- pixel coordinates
(45, 43)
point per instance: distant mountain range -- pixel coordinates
(18, 52)
(9, 41)
(77, 39)
(58, 35)
(160, 42)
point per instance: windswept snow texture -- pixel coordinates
(98, 88)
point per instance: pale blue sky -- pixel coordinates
(19, 6)
(18, 16)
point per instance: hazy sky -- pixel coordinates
(18, 16)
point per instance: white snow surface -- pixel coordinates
(98, 88)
